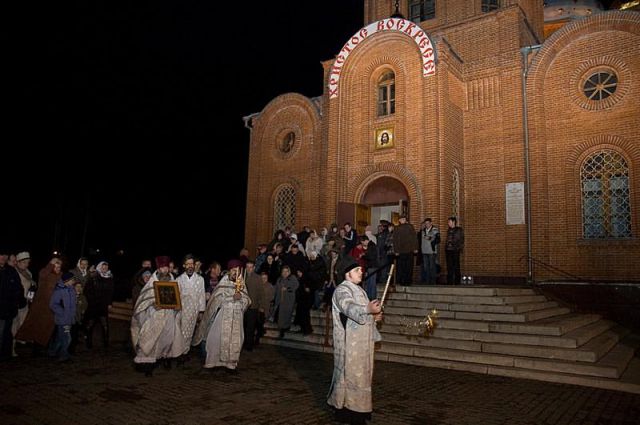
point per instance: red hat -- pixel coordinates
(232, 264)
(162, 261)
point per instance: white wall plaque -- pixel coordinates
(514, 197)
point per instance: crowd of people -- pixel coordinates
(223, 312)
(53, 311)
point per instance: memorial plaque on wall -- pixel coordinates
(514, 196)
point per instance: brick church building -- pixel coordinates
(457, 107)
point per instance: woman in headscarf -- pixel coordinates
(99, 293)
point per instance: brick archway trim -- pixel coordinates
(580, 151)
(367, 175)
(272, 109)
(612, 20)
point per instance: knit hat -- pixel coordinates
(68, 276)
(24, 255)
(162, 261)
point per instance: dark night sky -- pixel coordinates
(121, 79)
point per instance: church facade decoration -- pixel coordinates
(410, 29)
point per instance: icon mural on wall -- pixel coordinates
(384, 138)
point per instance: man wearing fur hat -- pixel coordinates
(153, 330)
(221, 328)
(354, 335)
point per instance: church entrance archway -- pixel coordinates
(386, 199)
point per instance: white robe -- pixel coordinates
(193, 301)
(353, 349)
(153, 331)
(222, 325)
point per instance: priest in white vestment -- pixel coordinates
(193, 303)
(354, 335)
(221, 328)
(153, 330)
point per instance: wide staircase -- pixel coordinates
(507, 331)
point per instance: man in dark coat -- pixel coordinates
(11, 300)
(405, 245)
(453, 248)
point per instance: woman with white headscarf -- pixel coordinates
(99, 293)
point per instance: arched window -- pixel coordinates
(387, 94)
(455, 195)
(421, 10)
(606, 210)
(490, 5)
(285, 207)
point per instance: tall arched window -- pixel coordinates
(606, 210)
(387, 94)
(455, 194)
(285, 207)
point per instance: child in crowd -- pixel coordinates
(63, 305)
(81, 307)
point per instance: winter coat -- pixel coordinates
(11, 293)
(39, 324)
(63, 304)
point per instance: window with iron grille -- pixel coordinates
(490, 5)
(606, 208)
(421, 10)
(387, 94)
(455, 195)
(285, 207)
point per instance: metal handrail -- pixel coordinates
(552, 268)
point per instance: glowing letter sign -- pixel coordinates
(402, 25)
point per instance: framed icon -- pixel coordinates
(384, 138)
(167, 295)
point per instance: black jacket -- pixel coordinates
(11, 293)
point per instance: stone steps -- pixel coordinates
(471, 299)
(557, 326)
(501, 331)
(121, 311)
(589, 352)
(475, 290)
(399, 343)
(610, 366)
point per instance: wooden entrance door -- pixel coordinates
(363, 218)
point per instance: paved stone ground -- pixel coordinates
(283, 386)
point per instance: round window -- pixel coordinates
(600, 85)
(287, 142)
